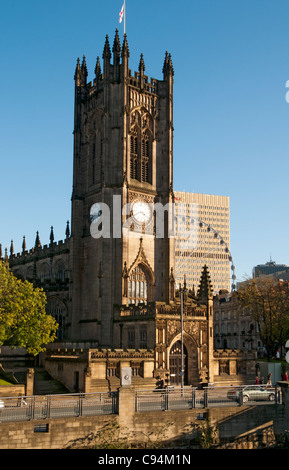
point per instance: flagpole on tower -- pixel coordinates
(122, 16)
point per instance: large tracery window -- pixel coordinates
(145, 157)
(137, 286)
(133, 156)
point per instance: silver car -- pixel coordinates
(252, 393)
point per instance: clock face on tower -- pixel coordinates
(141, 212)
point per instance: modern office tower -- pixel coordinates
(202, 230)
(269, 268)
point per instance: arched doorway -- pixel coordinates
(176, 363)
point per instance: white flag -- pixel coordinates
(121, 14)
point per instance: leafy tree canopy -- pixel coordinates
(23, 319)
(268, 301)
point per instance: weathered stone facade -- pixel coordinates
(114, 295)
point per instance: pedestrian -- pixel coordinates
(257, 380)
(269, 382)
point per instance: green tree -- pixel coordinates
(23, 319)
(268, 301)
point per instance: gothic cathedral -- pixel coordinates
(111, 283)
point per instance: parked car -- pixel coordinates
(252, 393)
(2, 404)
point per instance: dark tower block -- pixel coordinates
(123, 167)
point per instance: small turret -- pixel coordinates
(97, 72)
(141, 69)
(67, 231)
(168, 69)
(11, 248)
(106, 55)
(24, 245)
(116, 49)
(37, 241)
(106, 51)
(125, 49)
(78, 74)
(141, 66)
(124, 57)
(51, 235)
(205, 291)
(84, 71)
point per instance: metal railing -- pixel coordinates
(39, 407)
(57, 406)
(208, 397)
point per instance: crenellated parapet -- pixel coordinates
(116, 354)
(116, 69)
(60, 247)
(46, 265)
(156, 309)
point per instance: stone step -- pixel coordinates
(44, 384)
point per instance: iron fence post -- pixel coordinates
(80, 403)
(193, 398)
(48, 406)
(115, 402)
(32, 408)
(277, 395)
(241, 398)
(136, 402)
(166, 400)
(205, 398)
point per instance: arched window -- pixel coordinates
(60, 271)
(137, 286)
(57, 310)
(145, 158)
(141, 147)
(44, 272)
(29, 273)
(133, 155)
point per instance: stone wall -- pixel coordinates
(145, 427)
(285, 400)
(12, 390)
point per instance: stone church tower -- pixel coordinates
(123, 165)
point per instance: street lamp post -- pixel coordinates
(182, 340)
(182, 333)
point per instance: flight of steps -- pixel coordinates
(44, 384)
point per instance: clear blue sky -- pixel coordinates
(231, 118)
